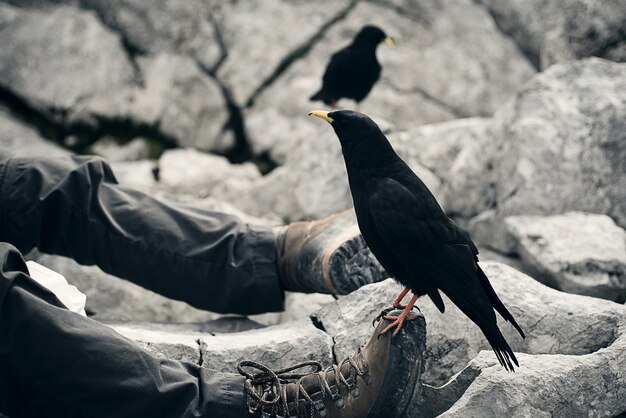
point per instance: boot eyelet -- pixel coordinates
(320, 407)
(367, 378)
(339, 403)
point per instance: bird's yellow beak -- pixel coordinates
(390, 42)
(322, 114)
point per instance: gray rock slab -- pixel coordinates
(261, 36)
(137, 174)
(554, 322)
(312, 183)
(591, 385)
(575, 252)
(557, 146)
(187, 171)
(552, 32)
(438, 146)
(108, 148)
(570, 363)
(19, 139)
(276, 346)
(443, 68)
(57, 57)
(162, 341)
(175, 97)
(178, 26)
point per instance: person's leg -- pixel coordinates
(73, 206)
(56, 363)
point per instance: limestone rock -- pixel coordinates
(552, 32)
(549, 385)
(437, 146)
(187, 171)
(137, 149)
(18, 139)
(136, 174)
(558, 146)
(179, 26)
(554, 322)
(58, 57)
(424, 80)
(297, 306)
(176, 100)
(276, 347)
(185, 103)
(163, 341)
(257, 46)
(312, 183)
(574, 252)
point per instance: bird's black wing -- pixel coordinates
(339, 71)
(434, 249)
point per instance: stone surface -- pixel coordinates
(276, 347)
(19, 139)
(185, 103)
(550, 32)
(574, 252)
(137, 149)
(311, 184)
(179, 26)
(175, 98)
(437, 146)
(58, 57)
(297, 306)
(137, 174)
(442, 69)
(590, 385)
(554, 322)
(264, 44)
(187, 171)
(570, 362)
(175, 344)
(558, 146)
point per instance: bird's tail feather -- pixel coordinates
(501, 347)
(496, 302)
(322, 96)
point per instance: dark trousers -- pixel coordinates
(57, 363)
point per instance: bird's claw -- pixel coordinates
(398, 321)
(385, 311)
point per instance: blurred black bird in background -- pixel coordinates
(352, 71)
(411, 236)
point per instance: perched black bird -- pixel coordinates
(352, 71)
(411, 236)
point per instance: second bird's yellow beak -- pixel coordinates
(390, 42)
(322, 114)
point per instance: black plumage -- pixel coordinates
(411, 236)
(352, 71)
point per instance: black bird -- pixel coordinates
(352, 71)
(411, 236)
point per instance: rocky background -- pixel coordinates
(513, 112)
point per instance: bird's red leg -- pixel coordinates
(397, 302)
(404, 316)
(333, 104)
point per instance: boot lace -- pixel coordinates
(267, 389)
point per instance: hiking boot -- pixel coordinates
(381, 380)
(327, 256)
